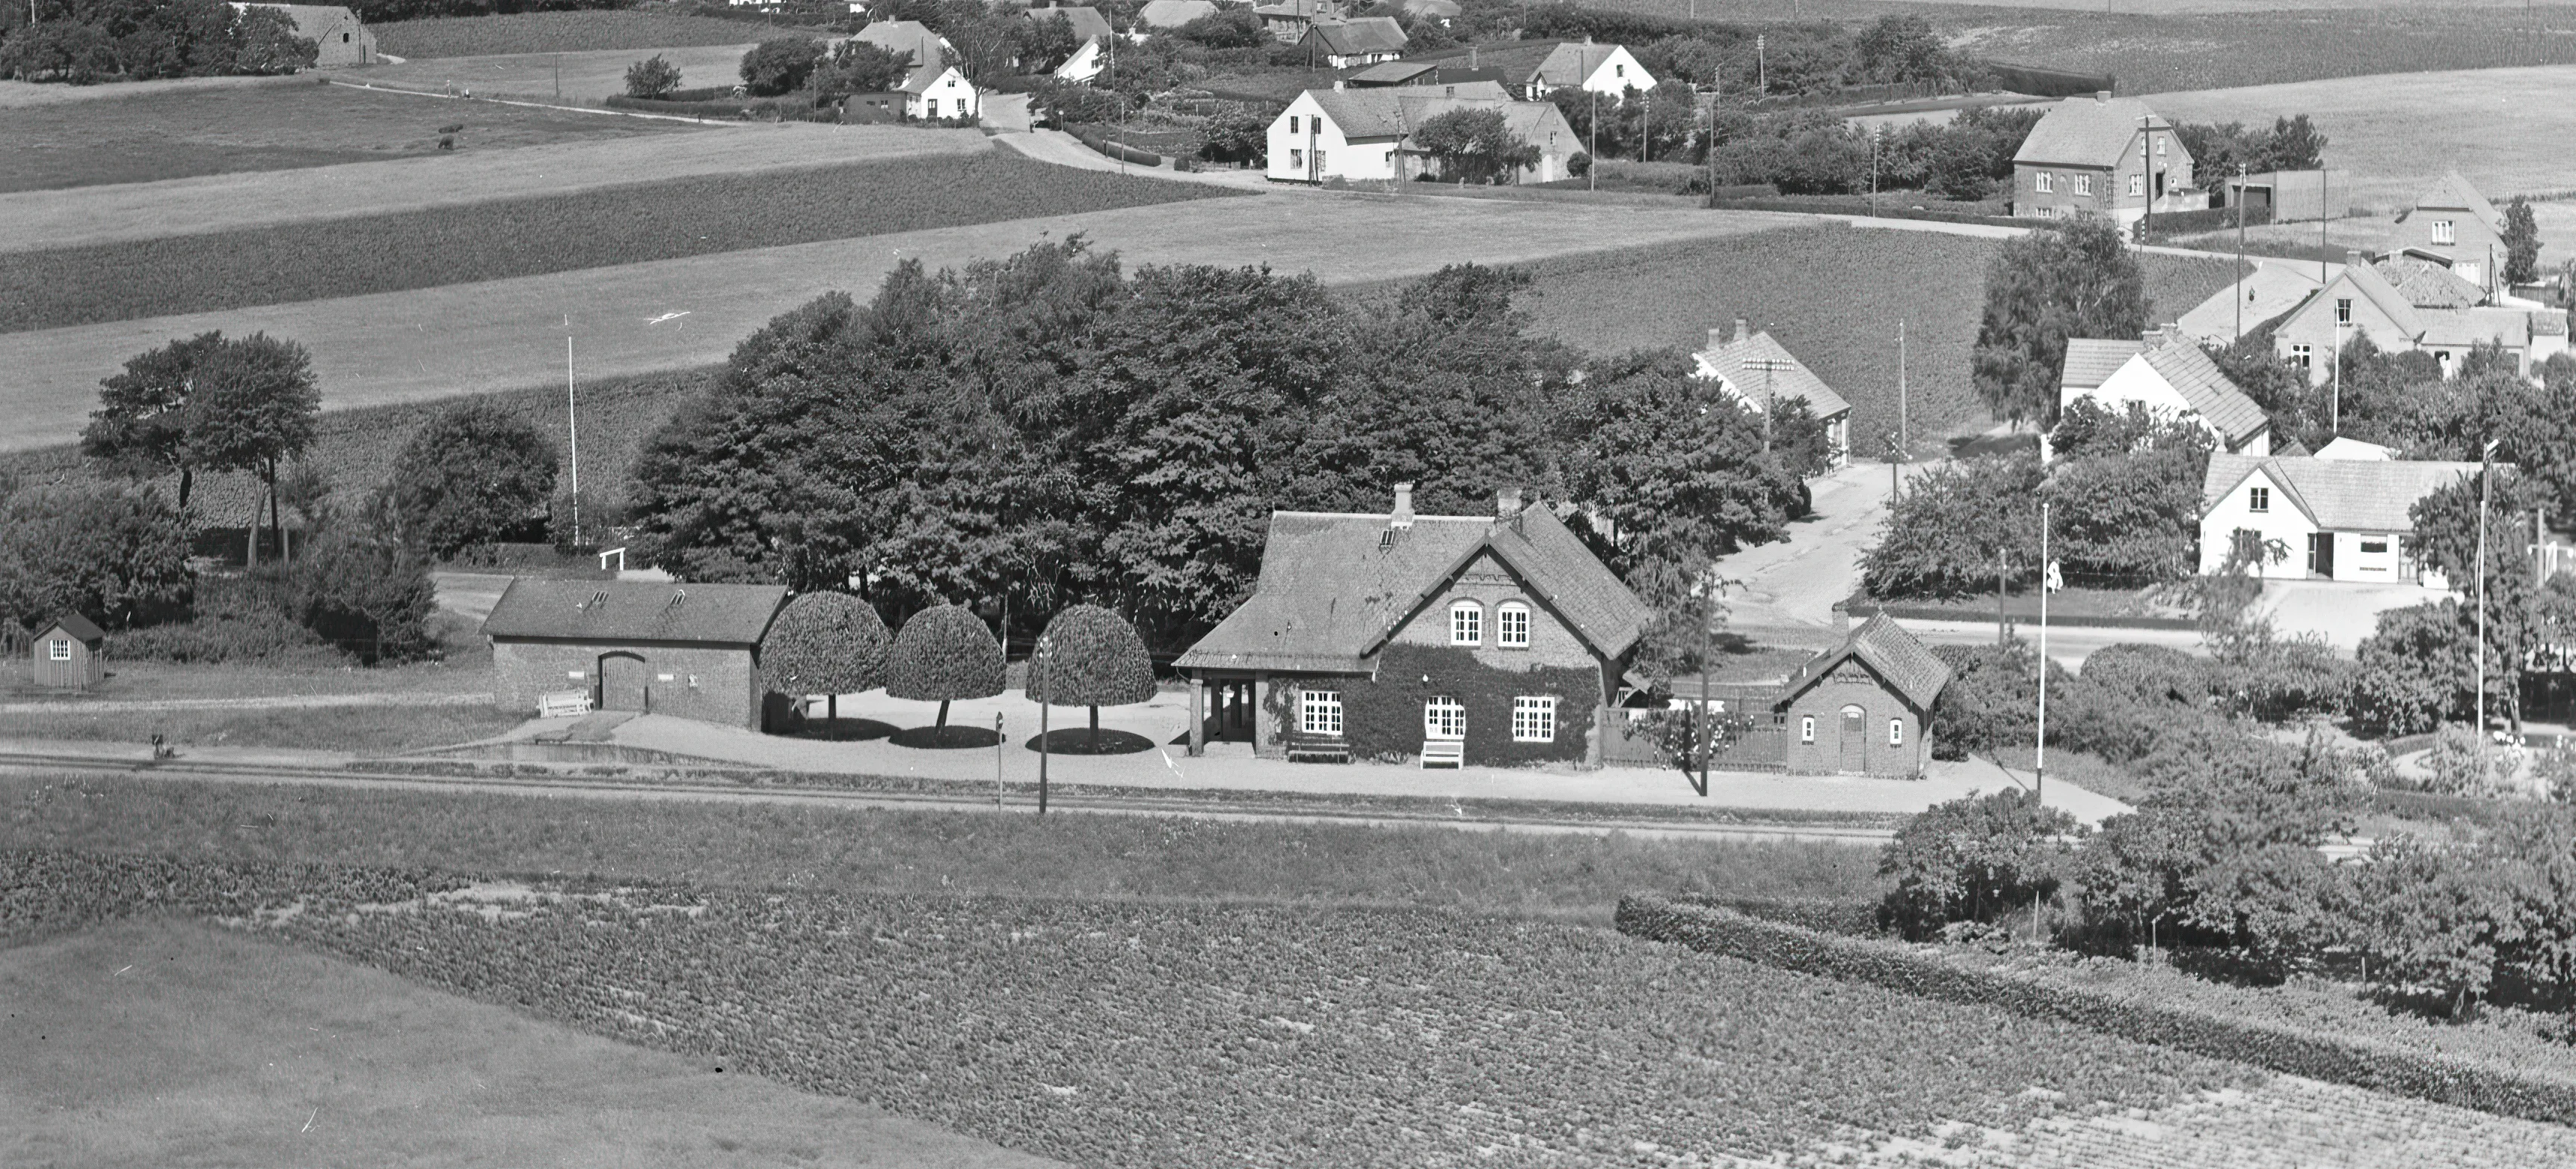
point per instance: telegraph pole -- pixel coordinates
(2486, 480)
(2039, 743)
(572, 428)
(2241, 279)
(1904, 436)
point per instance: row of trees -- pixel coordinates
(87, 41)
(832, 643)
(1044, 429)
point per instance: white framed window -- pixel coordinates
(1466, 623)
(2083, 184)
(61, 649)
(1297, 159)
(2137, 184)
(2378, 547)
(2442, 232)
(1619, 70)
(1512, 625)
(1292, 123)
(2160, 147)
(1534, 719)
(2047, 182)
(1444, 718)
(2343, 310)
(2258, 499)
(1807, 729)
(1319, 712)
(1896, 732)
(2302, 356)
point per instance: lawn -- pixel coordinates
(599, 228)
(591, 29)
(573, 78)
(143, 681)
(151, 136)
(454, 341)
(365, 730)
(165, 1042)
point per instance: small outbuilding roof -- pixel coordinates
(76, 625)
(1366, 34)
(1898, 658)
(2428, 283)
(1173, 13)
(1088, 24)
(619, 611)
(2088, 131)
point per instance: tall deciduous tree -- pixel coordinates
(469, 476)
(780, 65)
(2079, 280)
(943, 654)
(1957, 527)
(116, 556)
(254, 406)
(2521, 242)
(1090, 657)
(652, 77)
(855, 66)
(825, 643)
(141, 428)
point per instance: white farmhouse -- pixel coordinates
(1365, 135)
(1532, 69)
(1755, 369)
(2169, 376)
(2333, 519)
(935, 91)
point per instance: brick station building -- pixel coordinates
(688, 650)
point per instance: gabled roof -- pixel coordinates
(2453, 193)
(2271, 289)
(1173, 13)
(2428, 283)
(1574, 63)
(1392, 73)
(74, 624)
(1394, 111)
(1742, 364)
(2090, 361)
(1518, 62)
(1088, 24)
(1895, 655)
(2343, 495)
(2352, 448)
(1333, 589)
(927, 48)
(2509, 327)
(2087, 131)
(2366, 280)
(2216, 399)
(616, 611)
(1366, 34)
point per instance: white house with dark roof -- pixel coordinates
(2339, 518)
(1756, 370)
(2271, 290)
(1533, 69)
(1091, 34)
(935, 90)
(2362, 301)
(2102, 155)
(2452, 220)
(2170, 377)
(1452, 638)
(1366, 135)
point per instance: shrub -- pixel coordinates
(1578, 164)
(264, 42)
(944, 653)
(236, 620)
(2149, 673)
(116, 556)
(781, 65)
(2416, 672)
(653, 78)
(1974, 859)
(365, 593)
(1992, 700)
(825, 643)
(1090, 657)
(475, 475)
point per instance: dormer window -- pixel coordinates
(1466, 623)
(1512, 625)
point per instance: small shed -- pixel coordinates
(70, 653)
(687, 650)
(1864, 707)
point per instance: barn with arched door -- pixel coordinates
(651, 647)
(1863, 707)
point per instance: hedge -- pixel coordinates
(2360, 1063)
(784, 109)
(2170, 223)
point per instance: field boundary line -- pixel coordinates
(279, 702)
(534, 105)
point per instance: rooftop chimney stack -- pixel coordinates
(1507, 503)
(1716, 338)
(2352, 257)
(1403, 517)
(1743, 331)
(2102, 95)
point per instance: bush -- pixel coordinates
(1992, 701)
(265, 43)
(236, 620)
(944, 653)
(116, 556)
(824, 643)
(2149, 674)
(2416, 672)
(1091, 657)
(1578, 164)
(781, 65)
(367, 594)
(477, 474)
(1974, 859)
(652, 78)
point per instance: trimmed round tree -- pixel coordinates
(470, 476)
(825, 643)
(1090, 657)
(944, 653)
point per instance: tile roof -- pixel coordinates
(2086, 131)
(1331, 593)
(1392, 72)
(1088, 24)
(2271, 289)
(74, 624)
(2427, 283)
(2451, 192)
(1173, 13)
(1573, 63)
(2371, 285)
(2185, 367)
(2344, 495)
(1394, 111)
(1366, 34)
(2509, 327)
(610, 611)
(910, 36)
(1519, 61)
(2092, 360)
(1890, 651)
(1736, 361)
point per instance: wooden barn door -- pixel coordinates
(623, 682)
(1855, 741)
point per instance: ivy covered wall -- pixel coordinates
(1382, 718)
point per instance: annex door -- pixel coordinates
(2321, 554)
(623, 684)
(1855, 741)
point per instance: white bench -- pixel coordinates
(1444, 753)
(563, 704)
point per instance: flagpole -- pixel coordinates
(2039, 743)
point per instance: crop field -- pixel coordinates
(599, 228)
(152, 136)
(585, 77)
(581, 30)
(33, 220)
(165, 1042)
(634, 319)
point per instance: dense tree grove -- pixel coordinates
(1048, 429)
(2047, 286)
(2222, 148)
(87, 41)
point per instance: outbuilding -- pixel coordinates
(1864, 707)
(70, 653)
(652, 647)
(339, 38)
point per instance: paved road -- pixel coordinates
(2068, 645)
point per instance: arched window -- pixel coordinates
(1896, 732)
(1512, 625)
(1807, 729)
(1466, 623)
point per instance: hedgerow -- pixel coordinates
(592, 30)
(1162, 1034)
(529, 237)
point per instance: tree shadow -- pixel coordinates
(947, 738)
(844, 730)
(1078, 741)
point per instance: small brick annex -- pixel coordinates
(691, 651)
(1863, 707)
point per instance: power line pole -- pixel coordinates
(1904, 435)
(572, 428)
(2486, 479)
(2039, 743)
(2241, 280)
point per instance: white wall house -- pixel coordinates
(1364, 135)
(2334, 519)
(934, 91)
(2171, 378)
(1757, 370)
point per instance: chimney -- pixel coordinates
(1716, 338)
(2352, 258)
(1403, 516)
(2101, 95)
(1507, 503)
(1743, 331)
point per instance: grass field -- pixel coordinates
(457, 340)
(31, 220)
(164, 1042)
(141, 681)
(364, 730)
(582, 30)
(153, 136)
(585, 78)
(598, 228)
